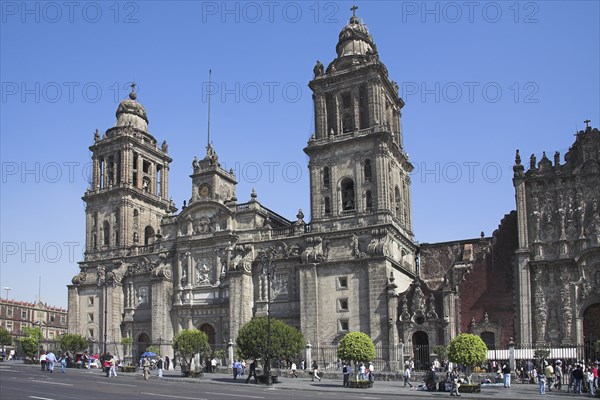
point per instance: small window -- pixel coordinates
(52, 318)
(9, 312)
(343, 282)
(367, 170)
(326, 178)
(344, 325)
(369, 200)
(91, 333)
(24, 314)
(90, 301)
(90, 317)
(63, 319)
(51, 336)
(327, 206)
(9, 326)
(343, 305)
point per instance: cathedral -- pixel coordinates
(151, 270)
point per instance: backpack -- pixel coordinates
(345, 369)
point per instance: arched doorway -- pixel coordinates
(489, 338)
(420, 342)
(591, 330)
(210, 332)
(142, 344)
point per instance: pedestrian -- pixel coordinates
(63, 362)
(406, 375)
(549, 374)
(454, 381)
(346, 371)
(50, 360)
(146, 367)
(315, 369)
(213, 365)
(541, 380)
(237, 366)
(590, 379)
(506, 374)
(252, 372)
(578, 379)
(167, 363)
(112, 368)
(293, 370)
(43, 361)
(595, 373)
(558, 375)
(371, 373)
(159, 367)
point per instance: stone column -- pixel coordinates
(320, 107)
(230, 353)
(96, 173)
(524, 296)
(140, 164)
(165, 179)
(309, 311)
(356, 108)
(308, 357)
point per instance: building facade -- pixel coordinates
(16, 315)
(151, 270)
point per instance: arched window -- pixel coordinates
(367, 170)
(106, 227)
(327, 205)
(326, 177)
(489, 339)
(397, 202)
(148, 235)
(368, 200)
(210, 332)
(347, 194)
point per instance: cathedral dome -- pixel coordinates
(355, 40)
(132, 113)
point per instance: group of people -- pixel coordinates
(48, 361)
(578, 377)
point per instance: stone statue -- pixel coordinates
(418, 300)
(164, 147)
(556, 159)
(532, 161)
(195, 164)
(318, 69)
(203, 272)
(96, 136)
(100, 278)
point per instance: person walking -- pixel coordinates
(63, 362)
(293, 370)
(159, 367)
(590, 379)
(236, 367)
(578, 379)
(315, 369)
(558, 375)
(406, 375)
(549, 373)
(454, 381)
(146, 367)
(213, 365)
(346, 370)
(112, 367)
(50, 360)
(506, 375)
(541, 380)
(371, 373)
(167, 362)
(252, 372)
(43, 361)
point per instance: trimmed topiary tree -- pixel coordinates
(287, 342)
(467, 350)
(356, 347)
(190, 342)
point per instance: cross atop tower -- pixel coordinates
(132, 86)
(353, 9)
(587, 123)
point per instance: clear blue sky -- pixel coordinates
(479, 81)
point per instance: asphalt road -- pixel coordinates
(19, 381)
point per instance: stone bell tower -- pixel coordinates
(129, 191)
(358, 167)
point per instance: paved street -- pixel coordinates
(19, 381)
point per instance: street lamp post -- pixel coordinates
(268, 269)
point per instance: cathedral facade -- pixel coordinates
(151, 270)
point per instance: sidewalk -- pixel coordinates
(380, 388)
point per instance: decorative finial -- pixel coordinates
(300, 215)
(353, 9)
(518, 158)
(132, 95)
(253, 194)
(587, 123)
